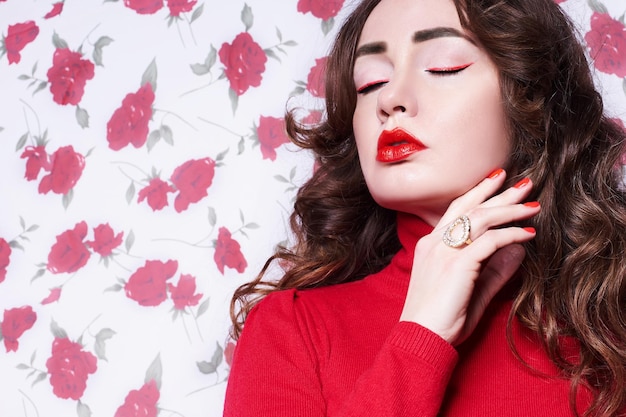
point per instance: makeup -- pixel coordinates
(396, 145)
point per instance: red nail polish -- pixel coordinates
(530, 230)
(532, 204)
(495, 173)
(522, 183)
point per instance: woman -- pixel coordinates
(460, 249)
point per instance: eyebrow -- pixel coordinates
(419, 36)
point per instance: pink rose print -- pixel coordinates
(141, 402)
(69, 367)
(69, 253)
(156, 193)
(15, 322)
(183, 294)
(315, 80)
(192, 179)
(271, 134)
(323, 9)
(57, 8)
(313, 118)
(180, 6)
(244, 61)
(147, 285)
(18, 36)
(55, 294)
(607, 43)
(68, 75)
(144, 6)
(5, 255)
(228, 252)
(229, 350)
(37, 159)
(105, 240)
(66, 169)
(129, 123)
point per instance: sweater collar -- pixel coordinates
(410, 229)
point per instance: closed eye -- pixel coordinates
(369, 87)
(447, 70)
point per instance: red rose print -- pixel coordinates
(69, 253)
(18, 36)
(147, 285)
(66, 168)
(15, 322)
(69, 367)
(55, 294)
(228, 353)
(315, 80)
(156, 193)
(129, 123)
(607, 43)
(68, 75)
(183, 294)
(313, 118)
(192, 179)
(228, 252)
(5, 255)
(244, 61)
(141, 402)
(37, 159)
(179, 6)
(144, 6)
(271, 134)
(105, 240)
(323, 9)
(57, 8)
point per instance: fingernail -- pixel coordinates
(530, 230)
(532, 204)
(522, 183)
(495, 173)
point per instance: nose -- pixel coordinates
(397, 98)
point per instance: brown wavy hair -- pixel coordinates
(574, 275)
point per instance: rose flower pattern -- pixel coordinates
(69, 367)
(148, 284)
(607, 44)
(129, 123)
(228, 252)
(271, 134)
(18, 36)
(14, 323)
(244, 62)
(68, 76)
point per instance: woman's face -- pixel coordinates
(429, 121)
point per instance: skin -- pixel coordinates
(417, 69)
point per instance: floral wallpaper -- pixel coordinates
(145, 174)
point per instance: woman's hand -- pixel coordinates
(450, 287)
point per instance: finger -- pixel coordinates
(511, 195)
(484, 218)
(474, 197)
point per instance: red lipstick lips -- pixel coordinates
(396, 145)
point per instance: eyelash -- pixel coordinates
(447, 71)
(369, 87)
(441, 72)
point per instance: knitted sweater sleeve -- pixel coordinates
(275, 371)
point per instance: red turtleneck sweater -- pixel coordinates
(341, 351)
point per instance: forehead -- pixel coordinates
(398, 20)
